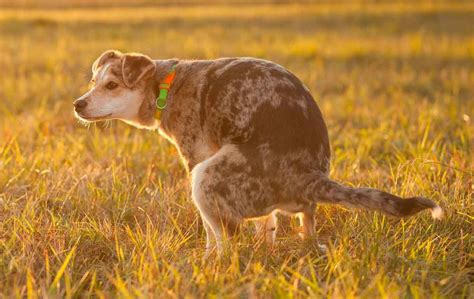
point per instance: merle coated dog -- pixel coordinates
(248, 130)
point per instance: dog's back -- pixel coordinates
(260, 104)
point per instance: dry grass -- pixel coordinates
(105, 211)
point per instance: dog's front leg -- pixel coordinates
(267, 228)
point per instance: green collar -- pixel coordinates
(164, 87)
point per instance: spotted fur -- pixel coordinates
(254, 140)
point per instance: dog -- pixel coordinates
(248, 131)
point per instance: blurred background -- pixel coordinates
(395, 83)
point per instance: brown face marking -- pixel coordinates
(113, 96)
(104, 58)
(136, 67)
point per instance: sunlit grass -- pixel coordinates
(106, 210)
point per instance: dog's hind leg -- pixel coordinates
(212, 196)
(210, 238)
(220, 224)
(307, 223)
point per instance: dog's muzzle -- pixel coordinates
(80, 105)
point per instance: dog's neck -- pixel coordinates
(162, 68)
(147, 114)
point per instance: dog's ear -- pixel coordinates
(104, 57)
(136, 67)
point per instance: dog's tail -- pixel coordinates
(325, 190)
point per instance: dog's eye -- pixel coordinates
(111, 85)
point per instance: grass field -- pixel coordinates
(105, 210)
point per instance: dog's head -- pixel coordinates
(121, 88)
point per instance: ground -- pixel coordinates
(105, 210)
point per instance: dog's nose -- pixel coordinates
(79, 105)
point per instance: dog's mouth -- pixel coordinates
(92, 118)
